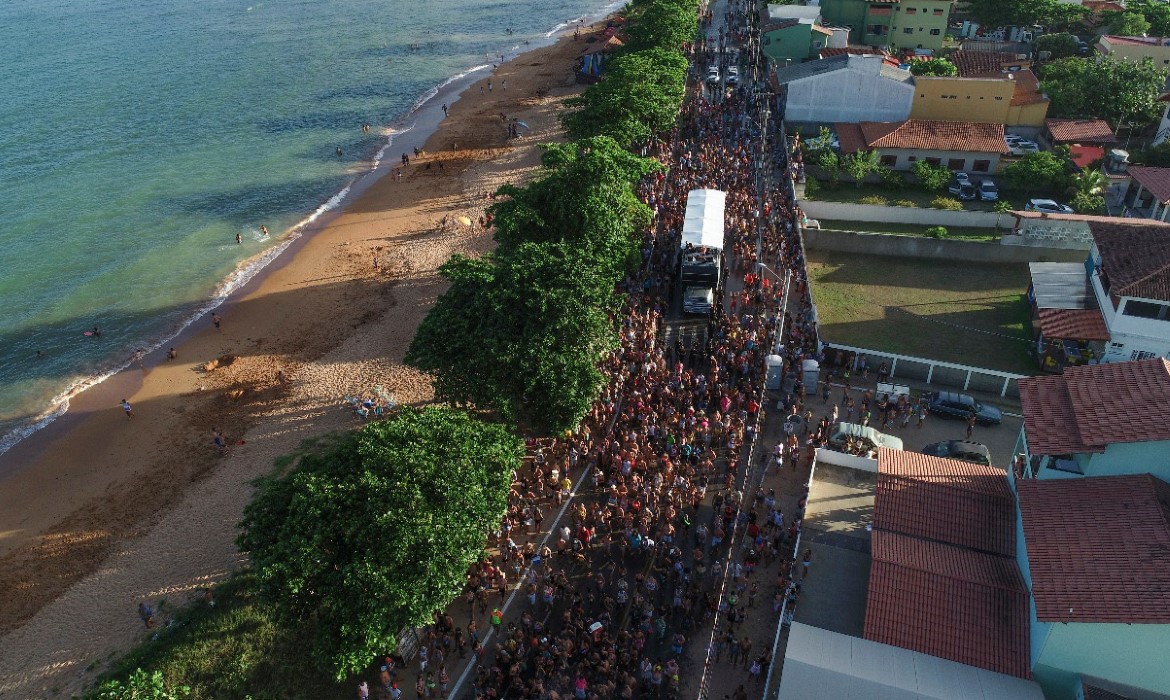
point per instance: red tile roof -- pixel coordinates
(948, 602)
(925, 134)
(982, 64)
(1137, 40)
(947, 500)
(1109, 563)
(1106, 5)
(1156, 181)
(1080, 131)
(860, 51)
(1072, 324)
(1135, 256)
(1084, 156)
(1088, 408)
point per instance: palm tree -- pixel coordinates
(1089, 182)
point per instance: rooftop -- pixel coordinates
(1072, 324)
(1089, 408)
(1110, 563)
(841, 61)
(945, 500)
(1027, 88)
(1135, 256)
(820, 663)
(1060, 285)
(1156, 181)
(923, 134)
(1080, 131)
(984, 64)
(949, 602)
(1137, 40)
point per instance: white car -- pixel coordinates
(713, 74)
(1047, 206)
(732, 75)
(1023, 148)
(1012, 139)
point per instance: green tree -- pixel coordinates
(639, 96)
(831, 163)
(1155, 155)
(1046, 171)
(1109, 89)
(1089, 182)
(1060, 45)
(663, 24)
(934, 67)
(932, 178)
(860, 164)
(1156, 13)
(998, 13)
(374, 533)
(1125, 23)
(141, 686)
(1085, 203)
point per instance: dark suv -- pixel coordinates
(963, 190)
(953, 405)
(960, 450)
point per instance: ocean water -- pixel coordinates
(137, 139)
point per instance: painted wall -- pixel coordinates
(903, 159)
(1130, 458)
(849, 13)
(898, 215)
(1129, 334)
(852, 94)
(962, 99)
(1029, 115)
(793, 43)
(920, 24)
(1133, 655)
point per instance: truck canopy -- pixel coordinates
(703, 221)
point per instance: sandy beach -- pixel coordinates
(105, 510)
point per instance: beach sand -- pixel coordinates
(104, 511)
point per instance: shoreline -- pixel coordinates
(99, 511)
(405, 132)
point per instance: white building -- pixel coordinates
(845, 88)
(1129, 268)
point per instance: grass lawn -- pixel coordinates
(969, 313)
(850, 193)
(966, 233)
(232, 650)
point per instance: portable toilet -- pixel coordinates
(775, 376)
(810, 374)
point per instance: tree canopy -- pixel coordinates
(1048, 171)
(663, 24)
(1125, 23)
(1054, 15)
(1156, 13)
(932, 177)
(1109, 89)
(639, 95)
(375, 532)
(934, 67)
(1060, 45)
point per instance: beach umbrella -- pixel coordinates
(465, 220)
(520, 123)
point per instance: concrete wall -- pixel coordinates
(936, 249)
(975, 163)
(962, 99)
(1131, 655)
(843, 459)
(927, 29)
(903, 215)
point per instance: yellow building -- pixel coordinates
(1012, 99)
(1135, 48)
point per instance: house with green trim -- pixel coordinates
(896, 24)
(793, 33)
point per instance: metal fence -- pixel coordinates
(938, 373)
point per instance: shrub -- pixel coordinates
(936, 232)
(933, 178)
(906, 203)
(874, 199)
(948, 203)
(811, 187)
(1085, 203)
(892, 179)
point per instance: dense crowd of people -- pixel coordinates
(640, 565)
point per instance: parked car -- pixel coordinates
(1012, 139)
(950, 404)
(713, 74)
(860, 440)
(960, 450)
(963, 190)
(988, 192)
(1023, 148)
(963, 177)
(732, 75)
(1047, 206)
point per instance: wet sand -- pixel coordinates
(103, 510)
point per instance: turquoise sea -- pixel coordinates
(137, 139)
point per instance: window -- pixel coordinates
(957, 163)
(938, 13)
(1146, 309)
(889, 161)
(911, 11)
(1142, 355)
(998, 99)
(935, 32)
(911, 159)
(934, 161)
(981, 166)
(907, 30)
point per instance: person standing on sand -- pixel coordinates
(217, 440)
(127, 408)
(146, 612)
(171, 354)
(444, 109)
(215, 319)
